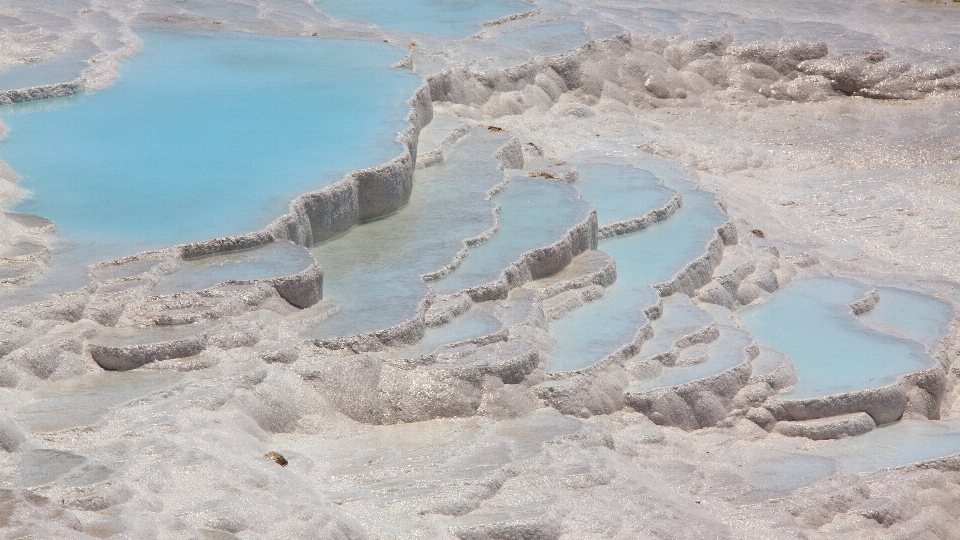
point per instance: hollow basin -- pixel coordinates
(447, 18)
(621, 193)
(534, 213)
(653, 255)
(831, 349)
(206, 135)
(911, 315)
(895, 445)
(276, 259)
(374, 270)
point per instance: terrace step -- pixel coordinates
(700, 394)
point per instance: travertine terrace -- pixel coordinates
(638, 270)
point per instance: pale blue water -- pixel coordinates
(832, 351)
(533, 213)
(911, 315)
(373, 271)
(204, 136)
(621, 193)
(680, 318)
(653, 255)
(446, 18)
(64, 67)
(273, 260)
(472, 324)
(894, 445)
(726, 352)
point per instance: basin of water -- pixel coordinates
(64, 67)
(621, 193)
(447, 18)
(895, 445)
(533, 213)
(473, 324)
(911, 315)
(646, 257)
(832, 351)
(273, 260)
(374, 270)
(206, 135)
(727, 351)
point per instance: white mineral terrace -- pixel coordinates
(502, 270)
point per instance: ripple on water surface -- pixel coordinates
(207, 135)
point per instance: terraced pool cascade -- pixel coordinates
(644, 258)
(206, 135)
(534, 213)
(728, 350)
(446, 18)
(373, 272)
(277, 259)
(831, 349)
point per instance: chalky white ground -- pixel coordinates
(833, 128)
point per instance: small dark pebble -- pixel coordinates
(494, 128)
(277, 458)
(758, 233)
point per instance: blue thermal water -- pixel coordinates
(911, 315)
(680, 318)
(206, 135)
(653, 255)
(373, 271)
(446, 18)
(547, 38)
(621, 193)
(894, 445)
(64, 67)
(832, 351)
(533, 213)
(472, 324)
(727, 351)
(272, 260)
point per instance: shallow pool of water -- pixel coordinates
(646, 257)
(206, 135)
(621, 193)
(447, 18)
(64, 67)
(895, 445)
(832, 351)
(374, 270)
(533, 213)
(84, 400)
(473, 324)
(911, 315)
(273, 260)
